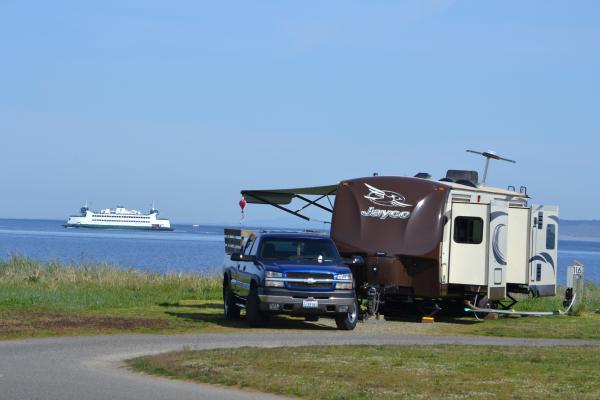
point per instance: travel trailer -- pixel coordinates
(414, 239)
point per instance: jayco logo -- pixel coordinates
(385, 198)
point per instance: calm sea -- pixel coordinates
(187, 249)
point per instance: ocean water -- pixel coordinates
(188, 249)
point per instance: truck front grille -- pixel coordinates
(309, 285)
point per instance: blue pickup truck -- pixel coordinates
(299, 274)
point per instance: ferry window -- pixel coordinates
(550, 236)
(468, 230)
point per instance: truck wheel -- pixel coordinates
(255, 317)
(230, 309)
(347, 322)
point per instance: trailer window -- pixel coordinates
(468, 230)
(550, 236)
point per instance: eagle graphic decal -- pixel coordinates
(385, 198)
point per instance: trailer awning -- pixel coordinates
(277, 197)
(285, 196)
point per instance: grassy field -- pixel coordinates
(391, 372)
(591, 300)
(52, 299)
(38, 300)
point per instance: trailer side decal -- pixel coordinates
(544, 257)
(498, 255)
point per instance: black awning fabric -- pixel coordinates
(285, 196)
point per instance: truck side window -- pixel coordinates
(468, 230)
(550, 236)
(253, 248)
(248, 246)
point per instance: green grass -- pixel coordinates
(38, 299)
(585, 326)
(591, 300)
(391, 372)
(52, 299)
(25, 283)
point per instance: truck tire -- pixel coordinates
(347, 322)
(230, 309)
(255, 317)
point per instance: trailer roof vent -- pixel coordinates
(468, 178)
(423, 175)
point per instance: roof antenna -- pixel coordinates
(489, 155)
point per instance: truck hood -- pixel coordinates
(306, 266)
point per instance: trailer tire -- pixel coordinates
(230, 308)
(485, 302)
(255, 317)
(347, 321)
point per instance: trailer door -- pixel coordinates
(468, 244)
(497, 256)
(543, 261)
(519, 239)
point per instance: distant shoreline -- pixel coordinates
(579, 238)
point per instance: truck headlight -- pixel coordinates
(344, 285)
(270, 279)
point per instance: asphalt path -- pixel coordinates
(92, 367)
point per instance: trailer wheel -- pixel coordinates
(484, 302)
(255, 317)
(347, 322)
(230, 309)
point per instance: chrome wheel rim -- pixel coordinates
(352, 315)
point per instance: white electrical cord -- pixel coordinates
(570, 305)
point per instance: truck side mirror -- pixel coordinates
(242, 257)
(356, 260)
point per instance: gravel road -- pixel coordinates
(92, 367)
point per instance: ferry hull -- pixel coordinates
(121, 227)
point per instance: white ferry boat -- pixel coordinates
(118, 218)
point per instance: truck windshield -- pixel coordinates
(298, 249)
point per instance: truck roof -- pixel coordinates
(298, 235)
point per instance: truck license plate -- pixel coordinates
(310, 303)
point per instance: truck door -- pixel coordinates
(497, 250)
(237, 285)
(543, 261)
(468, 244)
(245, 269)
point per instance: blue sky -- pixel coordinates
(187, 102)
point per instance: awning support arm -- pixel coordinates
(297, 214)
(313, 203)
(329, 200)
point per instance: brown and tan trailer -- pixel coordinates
(420, 240)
